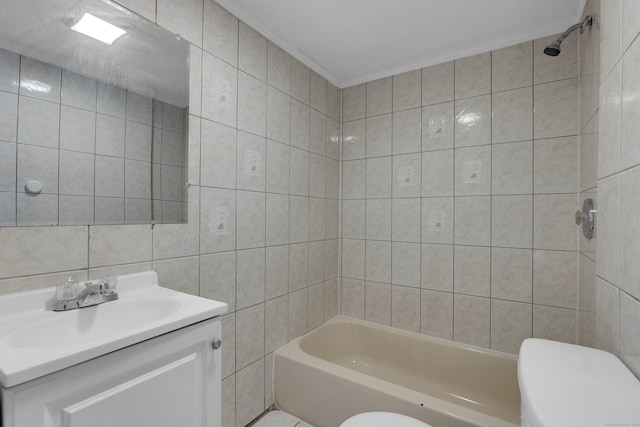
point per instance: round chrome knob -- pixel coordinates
(216, 343)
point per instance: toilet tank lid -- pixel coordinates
(569, 385)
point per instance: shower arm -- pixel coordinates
(588, 20)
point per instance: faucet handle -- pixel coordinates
(67, 290)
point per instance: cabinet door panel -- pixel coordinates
(165, 397)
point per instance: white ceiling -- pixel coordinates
(354, 41)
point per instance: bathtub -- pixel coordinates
(348, 366)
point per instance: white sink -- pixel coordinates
(36, 341)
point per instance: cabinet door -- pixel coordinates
(172, 380)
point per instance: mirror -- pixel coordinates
(91, 131)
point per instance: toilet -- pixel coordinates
(382, 419)
(567, 385)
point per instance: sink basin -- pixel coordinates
(36, 341)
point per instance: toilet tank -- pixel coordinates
(566, 385)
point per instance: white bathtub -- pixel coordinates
(349, 366)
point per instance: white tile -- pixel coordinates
(555, 278)
(182, 17)
(79, 91)
(252, 105)
(298, 219)
(316, 272)
(437, 267)
(298, 313)
(610, 35)
(109, 176)
(511, 323)
(406, 175)
(556, 109)
(8, 116)
(219, 91)
(473, 76)
(512, 115)
(77, 130)
(512, 67)
(179, 274)
(353, 140)
(553, 222)
(110, 135)
(40, 164)
(607, 317)
(278, 68)
(8, 166)
(317, 218)
(353, 258)
(436, 314)
(138, 141)
(472, 275)
(437, 220)
(406, 217)
(37, 250)
(299, 171)
(473, 171)
(512, 168)
(300, 81)
(511, 221)
(77, 174)
(437, 126)
(407, 128)
(277, 271)
(251, 154)
(75, 210)
(405, 308)
(378, 133)
(111, 100)
(353, 179)
(40, 210)
(250, 219)
(300, 122)
(249, 392)
(278, 115)
(378, 219)
(9, 71)
(277, 174)
(40, 80)
(218, 278)
(437, 173)
(250, 276)
(629, 153)
(252, 52)
(472, 220)
(471, 320)
(110, 245)
(557, 324)
(217, 220)
(139, 108)
(610, 126)
(378, 179)
(219, 153)
(276, 326)
(511, 274)
(378, 303)
(407, 89)
(629, 197)
(608, 239)
(277, 219)
(379, 97)
(318, 92)
(318, 133)
(629, 321)
(378, 261)
(353, 219)
(473, 121)
(405, 262)
(555, 165)
(250, 327)
(437, 83)
(39, 122)
(354, 103)
(137, 179)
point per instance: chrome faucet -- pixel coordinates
(95, 292)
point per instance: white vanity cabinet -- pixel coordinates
(167, 381)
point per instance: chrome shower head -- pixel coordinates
(554, 48)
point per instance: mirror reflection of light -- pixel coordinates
(468, 118)
(350, 139)
(98, 29)
(35, 86)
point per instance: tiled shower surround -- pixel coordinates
(609, 272)
(459, 185)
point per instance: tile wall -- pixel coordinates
(460, 182)
(611, 302)
(263, 200)
(94, 147)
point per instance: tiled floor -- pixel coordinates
(280, 419)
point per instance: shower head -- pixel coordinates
(554, 48)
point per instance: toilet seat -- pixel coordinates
(382, 419)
